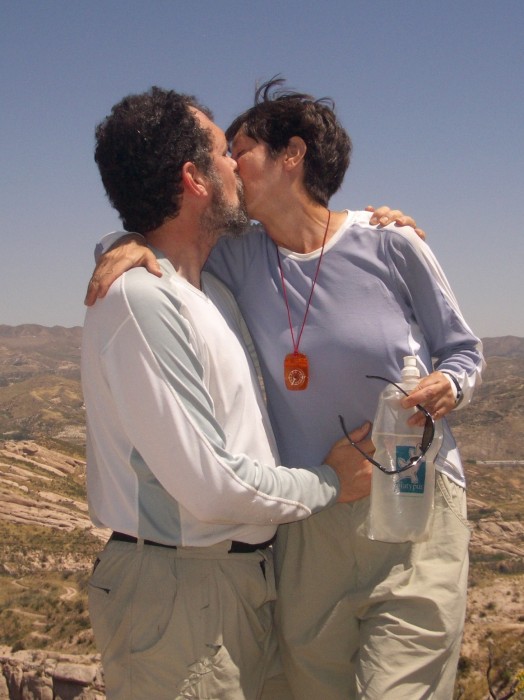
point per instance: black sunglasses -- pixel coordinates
(427, 436)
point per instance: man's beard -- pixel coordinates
(223, 218)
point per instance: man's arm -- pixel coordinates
(155, 377)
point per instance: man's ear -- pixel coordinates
(193, 181)
(295, 152)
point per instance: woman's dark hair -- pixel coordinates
(278, 115)
(140, 150)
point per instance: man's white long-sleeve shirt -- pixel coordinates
(180, 449)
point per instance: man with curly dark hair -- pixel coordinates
(144, 181)
(181, 460)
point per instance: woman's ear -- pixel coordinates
(295, 152)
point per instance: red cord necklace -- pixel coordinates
(296, 365)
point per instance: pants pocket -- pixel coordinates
(111, 582)
(131, 597)
(453, 497)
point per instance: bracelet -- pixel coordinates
(459, 394)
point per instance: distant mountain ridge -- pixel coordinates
(492, 426)
(31, 350)
(41, 398)
(505, 346)
(40, 392)
(502, 346)
(33, 329)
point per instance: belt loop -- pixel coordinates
(139, 544)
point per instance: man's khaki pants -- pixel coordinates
(173, 624)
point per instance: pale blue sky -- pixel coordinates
(431, 92)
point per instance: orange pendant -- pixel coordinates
(296, 371)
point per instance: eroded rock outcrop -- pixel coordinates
(47, 675)
(27, 473)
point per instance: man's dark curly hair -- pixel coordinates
(140, 150)
(277, 115)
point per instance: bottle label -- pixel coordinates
(413, 480)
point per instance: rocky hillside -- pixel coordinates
(40, 675)
(40, 394)
(47, 545)
(47, 542)
(492, 426)
(43, 487)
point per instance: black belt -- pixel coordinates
(236, 547)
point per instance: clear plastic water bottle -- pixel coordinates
(401, 508)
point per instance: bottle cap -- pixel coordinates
(410, 369)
